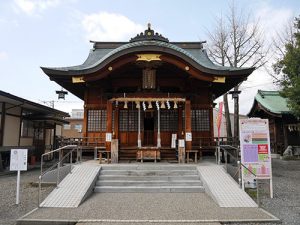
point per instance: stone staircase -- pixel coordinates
(148, 178)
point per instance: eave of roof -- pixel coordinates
(98, 58)
(17, 101)
(271, 102)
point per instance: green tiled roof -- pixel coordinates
(97, 56)
(272, 101)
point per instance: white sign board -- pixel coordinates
(255, 150)
(18, 159)
(181, 143)
(108, 137)
(188, 136)
(173, 141)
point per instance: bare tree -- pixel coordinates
(237, 41)
(281, 39)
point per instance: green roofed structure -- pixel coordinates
(284, 127)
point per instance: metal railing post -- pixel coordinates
(239, 172)
(40, 191)
(71, 156)
(225, 155)
(257, 193)
(57, 177)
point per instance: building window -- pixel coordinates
(168, 120)
(67, 127)
(27, 128)
(97, 120)
(128, 120)
(200, 120)
(78, 127)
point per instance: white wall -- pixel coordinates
(26, 141)
(11, 131)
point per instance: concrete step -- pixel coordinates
(149, 172)
(149, 183)
(148, 167)
(145, 178)
(153, 189)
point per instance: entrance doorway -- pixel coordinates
(149, 128)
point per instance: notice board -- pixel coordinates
(255, 149)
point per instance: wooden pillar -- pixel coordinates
(139, 141)
(85, 116)
(188, 124)
(3, 112)
(20, 127)
(116, 123)
(108, 124)
(285, 137)
(158, 129)
(211, 124)
(2, 118)
(180, 127)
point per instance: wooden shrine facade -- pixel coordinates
(144, 91)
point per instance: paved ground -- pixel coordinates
(285, 205)
(150, 206)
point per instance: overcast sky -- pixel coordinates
(56, 33)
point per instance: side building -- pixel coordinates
(284, 127)
(29, 125)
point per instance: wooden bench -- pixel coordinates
(101, 151)
(187, 152)
(148, 153)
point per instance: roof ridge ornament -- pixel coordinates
(148, 35)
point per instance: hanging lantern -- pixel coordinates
(144, 106)
(125, 105)
(149, 105)
(137, 103)
(175, 105)
(162, 106)
(61, 94)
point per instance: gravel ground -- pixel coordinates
(286, 185)
(9, 211)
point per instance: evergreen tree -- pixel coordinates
(289, 69)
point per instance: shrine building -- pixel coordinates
(146, 91)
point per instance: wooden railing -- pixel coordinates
(89, 142)
(212, 142)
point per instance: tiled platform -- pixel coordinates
(74, 188)
(222, 188)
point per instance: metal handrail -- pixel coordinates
(58, 164)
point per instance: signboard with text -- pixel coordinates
(255, 149)
(18, 159)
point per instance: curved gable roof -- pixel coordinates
(270, 101)
(98, 58)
